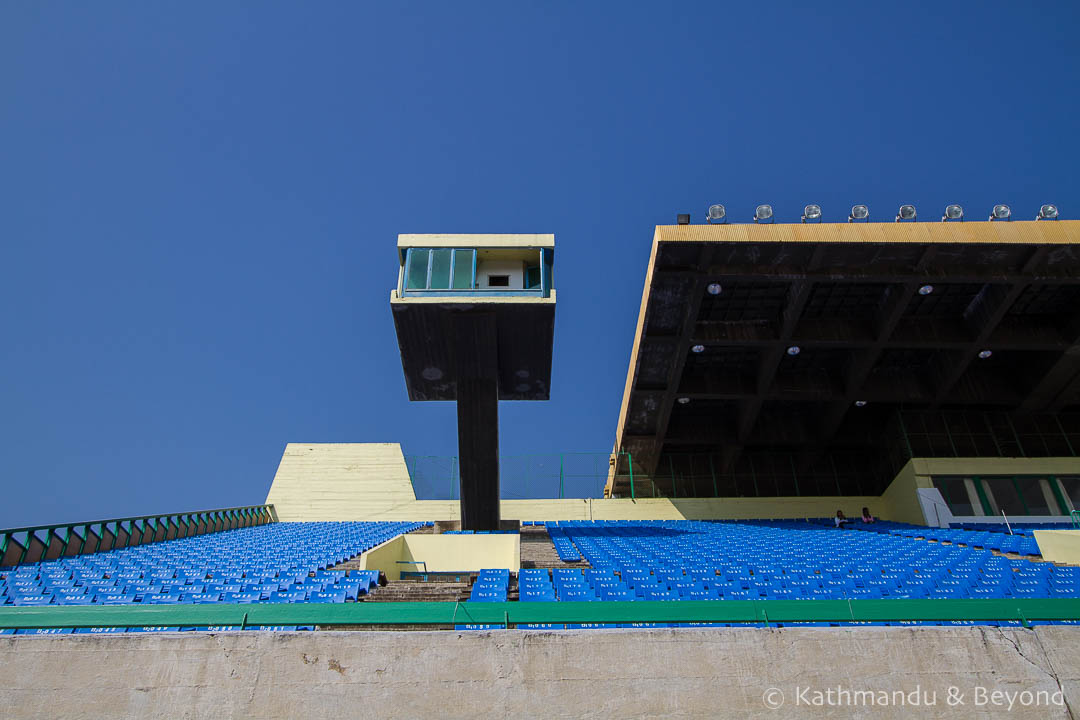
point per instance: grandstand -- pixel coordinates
(778, 374)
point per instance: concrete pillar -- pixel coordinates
(476, 370)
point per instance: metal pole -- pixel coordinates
(561, 456)
(630, 461)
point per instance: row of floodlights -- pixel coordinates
(906, 213)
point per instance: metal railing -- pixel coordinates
(507, 614)
(540, 476)
(48, 542)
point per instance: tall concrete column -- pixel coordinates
(476, 369)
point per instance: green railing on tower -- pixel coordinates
(48, 542)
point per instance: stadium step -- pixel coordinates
(412, 590)
(537, 550)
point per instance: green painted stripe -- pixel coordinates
(441, 613)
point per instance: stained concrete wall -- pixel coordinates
(569, 674)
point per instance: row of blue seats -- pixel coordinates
(1019, 544)
(785, 559)
(491, 585)
(117, 630)
(269, 563)
(648, 625)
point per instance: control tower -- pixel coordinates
(475, 321)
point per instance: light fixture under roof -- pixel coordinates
(763, 213)
(794, 350)
(953, 212)
(811, 212)
(926, 289)
(1000, 212)
(684, 400)
(1048, 212)
(906, 212)
(714, 288)
(860, 403)
(698, 348)
(859, 212)
(983, 354)
(717, 214)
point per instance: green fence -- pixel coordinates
(48, 542)
(511, 614)
(545, 475)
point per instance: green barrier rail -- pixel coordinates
(49, 542)
(514, 613)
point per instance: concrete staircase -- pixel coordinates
(537, 550)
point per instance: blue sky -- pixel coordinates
(200, 200)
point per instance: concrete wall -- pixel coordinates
(568, 674)
(370, 481)
(444, 553)
(1060, 546)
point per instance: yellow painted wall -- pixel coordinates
(997, 466)
(446, 553)
(370, 481)
(1062, 546)
(384, 557)
(900, 502)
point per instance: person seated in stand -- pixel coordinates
(840, 520)
(866, 516)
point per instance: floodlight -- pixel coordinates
(983, 354)
(717, 214)
(714, 288)
(906, 212)
(698, 348)
(859, 212)
(1048, 212)
(926, 289)
(811, 212)
(860, 403)
(794, 350)
(683, 219)
(763, 213)
(684, 400)
(1000, 212)
(953, 212)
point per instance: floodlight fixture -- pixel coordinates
(859, 212)
(717, 214)
(714, 288)
(1048, 212)
(953, 212)
(683, 218)
(983, 354)
(811, 212)
(860, 403)
(1000, 212)
(794, 350)
(926, 289)
(684, 400)
(906, 212)
(763, 213)
(698, 348)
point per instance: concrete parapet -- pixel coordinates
(564, 674)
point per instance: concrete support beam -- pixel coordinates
(476, 359)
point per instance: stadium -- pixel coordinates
(920, 378)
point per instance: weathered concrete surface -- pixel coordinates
(567, 674)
